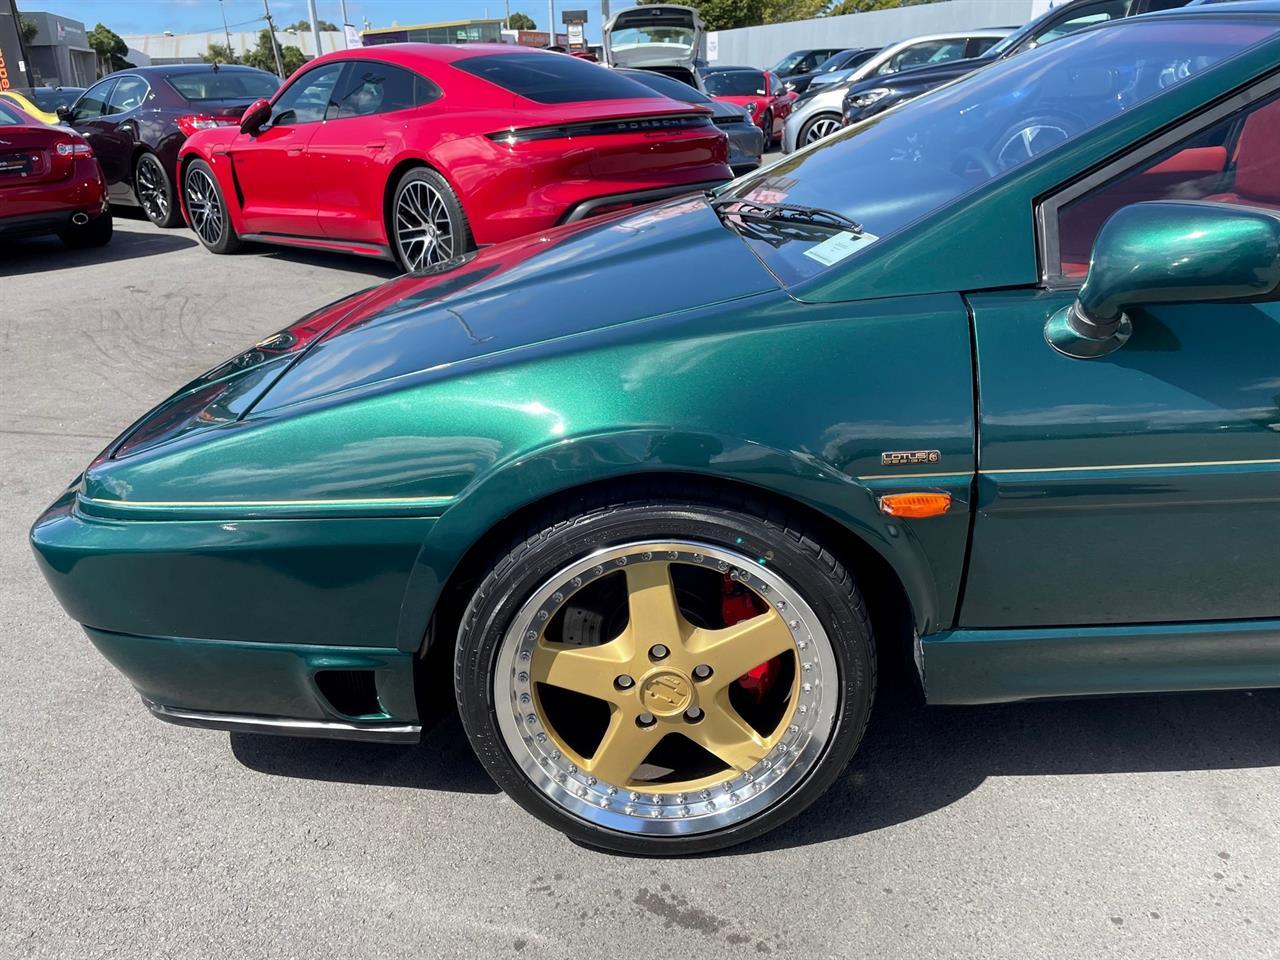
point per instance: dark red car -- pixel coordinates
(420, 152)
(50, 182)
(759, 92)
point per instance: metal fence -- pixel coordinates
(762, 46)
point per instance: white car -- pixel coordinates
(817, 114)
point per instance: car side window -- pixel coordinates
(980, 45)
(93, 102)
(370, 87)
(774, 84)
(128, 94)
(1085, 17)
(930, 51)
(308, 98)
(1237, 160)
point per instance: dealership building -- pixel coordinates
(60, 55)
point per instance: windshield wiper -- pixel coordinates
(781, 213)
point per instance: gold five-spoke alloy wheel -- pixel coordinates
(645, 720)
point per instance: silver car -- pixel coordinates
(817, 114)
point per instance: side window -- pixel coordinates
(425, 91)
(308, 97)
(1234, 161)
(1086, 17)
(930, 51)
(370, 88)
(93, 102)
(775, 85)
(129, 93)
(980, 45)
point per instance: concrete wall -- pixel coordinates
(764, 46)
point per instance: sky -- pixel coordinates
(128, 17)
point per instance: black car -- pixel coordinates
(844, 60)
(137, 119)
(802, 61)
(877, 94)
(746, 140)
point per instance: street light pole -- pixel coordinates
(345, 23)
(226, 31)
(551, 21)
(315, 26)
(271, 32)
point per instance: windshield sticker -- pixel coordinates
(836, 248)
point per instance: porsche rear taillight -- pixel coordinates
(199, 121)
(71, 148)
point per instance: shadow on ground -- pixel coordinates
(42, 254)
(914, 759)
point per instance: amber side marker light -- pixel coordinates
(915, 506)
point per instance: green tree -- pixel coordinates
(263, 58)
(302, 25)
(28, 27)
(109, 47)
(865, 6)
(218, 53)
(521, 21)
(728, 14)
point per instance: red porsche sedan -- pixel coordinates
(50, 182)
(419, 152)
(759, 92)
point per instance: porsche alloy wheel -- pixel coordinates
(207, 209)
(427, 223)
(666, 694)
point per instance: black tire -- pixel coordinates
(802, 139)
(207, 207)
(154, 190)
(414, 195)
(96, 233)
(562, 537)
(767, 126)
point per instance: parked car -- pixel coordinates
(137, 119)
(656, 493)
(758, 92)
(817, 114)
(661, 37)
(799, 62)
(870, 96)
(420, 151)
(844, 60)
(15, 99)
(746, 139)
(50, 182)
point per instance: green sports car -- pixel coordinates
(651, 495)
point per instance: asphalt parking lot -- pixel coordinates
(1141, 827)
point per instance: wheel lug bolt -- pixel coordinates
(623, 682)
(701, 671)
(645, 720)
(658, 652)
(693, 714)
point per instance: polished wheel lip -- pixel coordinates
(424, 230)
(204, 206)
(150, 189)
(658, 814)
(826, 125)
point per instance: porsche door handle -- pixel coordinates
(373, 146)
(293, 152)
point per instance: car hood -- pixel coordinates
(530, 293)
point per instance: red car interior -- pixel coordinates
(526, 139)
(1245, 172)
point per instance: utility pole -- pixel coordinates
(226, 31)
(551, 22)
(604, 12)
(506, 21)
(345, 23)
(315, 26)
(271, 32)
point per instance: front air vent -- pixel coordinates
(352, 693)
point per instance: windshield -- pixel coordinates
(787, 62)
(675, 39)
(738, 83)
(900, 166)
(225, 85)
(51, 100)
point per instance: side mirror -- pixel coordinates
(64, 113)
(258, 113)
(1167, 252)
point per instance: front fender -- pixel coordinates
(925, 557)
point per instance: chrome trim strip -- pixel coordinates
(286, 726)
(913, 476)
(1133, 466)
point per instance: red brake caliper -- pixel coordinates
(737, 603)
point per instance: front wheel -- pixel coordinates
(663, 676)
(819, 128)
(428, 226)
(207, 208)
(766, 124)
